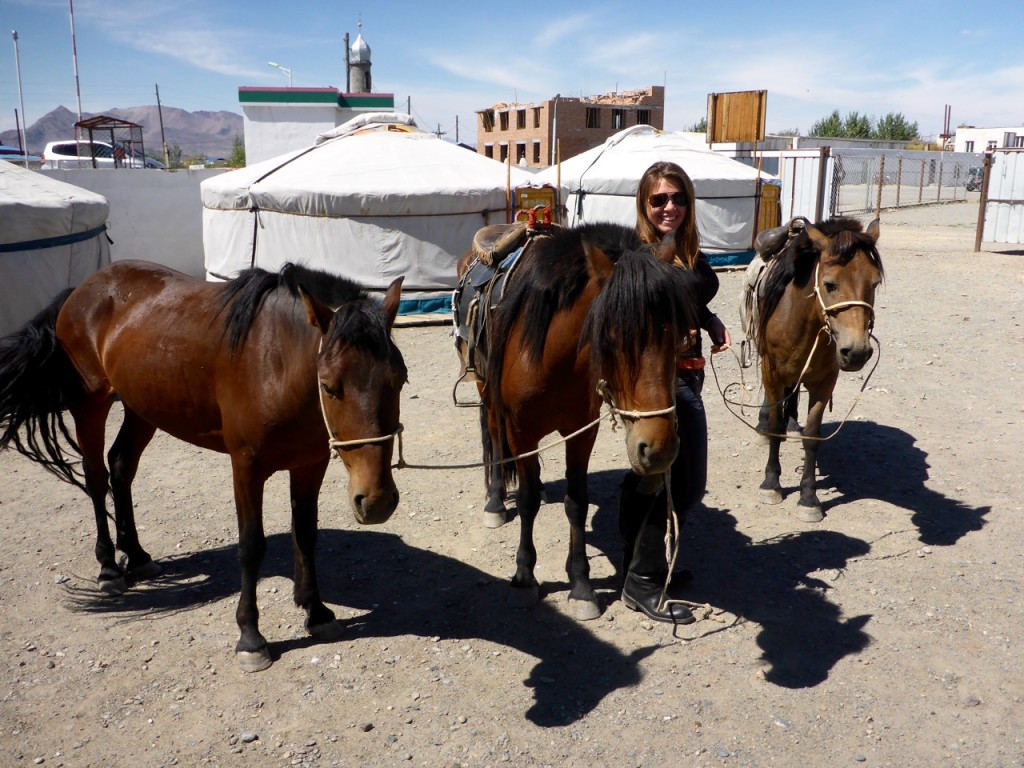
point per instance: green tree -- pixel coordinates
(701, 126)
(237, 157)
(788, 132)
(174, 156)
(857, 126)
(894, 127)
(828, 126)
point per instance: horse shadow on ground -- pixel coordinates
(404, 591)
(875, 461)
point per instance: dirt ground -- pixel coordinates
(889, 634)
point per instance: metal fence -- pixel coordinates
(866, 180)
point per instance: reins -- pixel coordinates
(607, 400)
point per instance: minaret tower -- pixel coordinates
(359, 61)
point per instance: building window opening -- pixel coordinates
(503, 120)
(593, 117)
(536, 117)
(520, 119)
(488, 120)
(618, 119)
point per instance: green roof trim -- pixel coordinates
(248, 95)
(367, 101)
(284, 96)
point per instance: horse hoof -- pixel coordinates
(584, 610)
(145, 571)
(112, 587)
(523, 597)
(495, 519)
(769, 496)
(810, 514)
(254, 661)
(327, 632)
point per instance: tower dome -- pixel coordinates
(360, 51)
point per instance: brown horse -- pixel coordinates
(260, 368)
(813, 319)
(590, 314)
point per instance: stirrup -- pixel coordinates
(746, 356)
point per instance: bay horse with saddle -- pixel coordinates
(567, 321)
(809, 314)
(277, 370)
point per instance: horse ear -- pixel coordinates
(873, 231)
(819, 240)
(392, 298)
(666, 250)
(599, 266)
(318, 314)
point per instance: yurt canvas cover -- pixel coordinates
(600, 185)
(52, 236)
(372, 200)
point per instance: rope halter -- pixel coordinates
(613, 410)
(335, 445)
(832, 310)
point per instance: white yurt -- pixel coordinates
(600, 185)
(52, 236)
(372, 200)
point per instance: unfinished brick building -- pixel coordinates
(530, 131)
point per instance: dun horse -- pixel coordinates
(813, 319)
(260, 368)
(590, 314)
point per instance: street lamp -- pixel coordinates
(287, 71)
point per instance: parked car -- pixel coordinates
(15, 155)
(974, 176)
(80, 154)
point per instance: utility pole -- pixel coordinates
(21, 99)
(456, 129)
(74, 61)
(160, 115)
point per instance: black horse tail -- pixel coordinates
(505, 475)
(37, 383)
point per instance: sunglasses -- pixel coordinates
(661, 199)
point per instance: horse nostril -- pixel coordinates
(358, 500)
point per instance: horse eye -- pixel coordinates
(831, 287)
(328, 391)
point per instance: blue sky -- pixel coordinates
(450, 59)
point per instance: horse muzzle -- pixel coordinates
(376, 507)
(852, 358)
(651, 451)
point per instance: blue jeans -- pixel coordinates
(643, 518)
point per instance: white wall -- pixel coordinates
(985, 138)
(154, 215)
(271, 130)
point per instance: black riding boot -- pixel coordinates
(647, 566)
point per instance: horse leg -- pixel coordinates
(305, 485)
(809, 507)
(525, 589)
(90, 429)
(123, 460)
(495, 512)
(792, 407)
(772, 415)
(251, 649)
(581, 593)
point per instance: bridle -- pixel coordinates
(334, 444)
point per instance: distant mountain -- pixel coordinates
(203, 134)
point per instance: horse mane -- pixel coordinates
(644, 300)
(796, 261)
(641, 298)
(243, 297)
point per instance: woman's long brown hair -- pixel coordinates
(687, 238)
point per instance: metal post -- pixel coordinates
(21, 99)
(74, 59)
(554, 126)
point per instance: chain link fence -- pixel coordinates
(870, 180)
